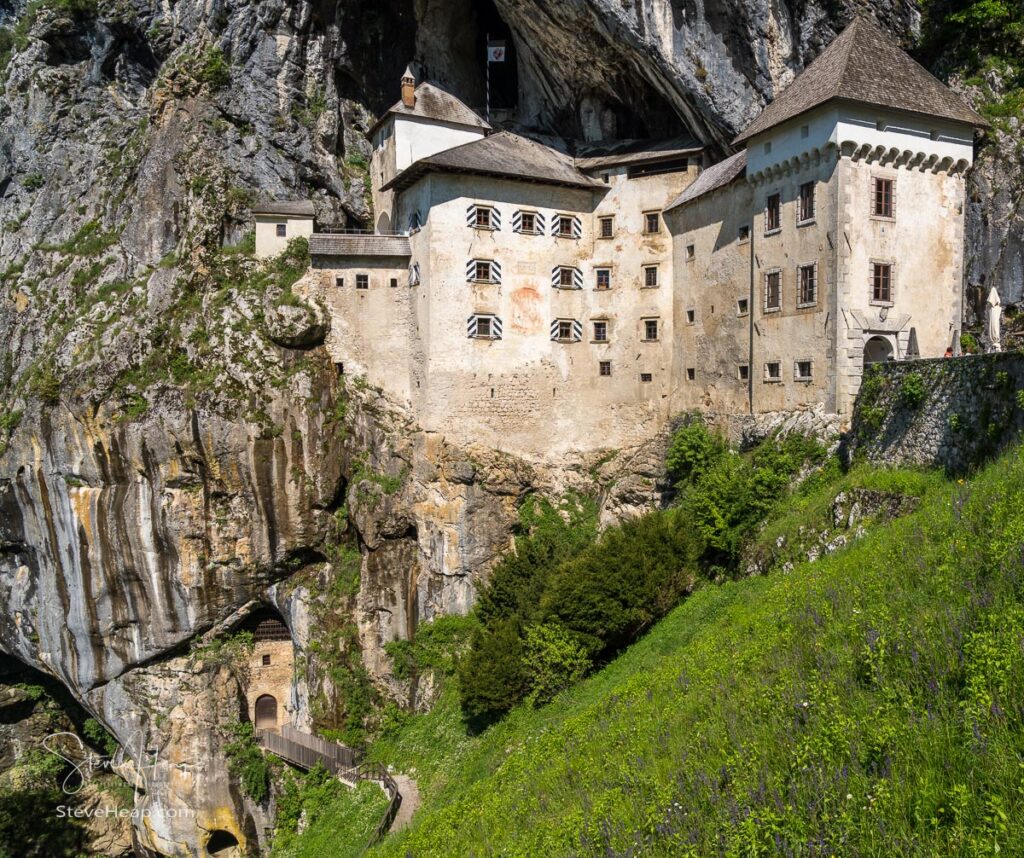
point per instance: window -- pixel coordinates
(652, 222)
(564, 329)
(606, 177)
(691, 316)
(362, 281)
(604, 368)
(646, 376)
(483, 218)
(528, 223)
(600, 331)
(805, 204)
(881, 203)
(743, 372)
(482, 272)
(650, 330)
(742, 307)
(564, 227)
(603, 278)
(808, 296)
(339, 282)
(772, 290)
(743, 234)
(607, 227)
(282, 230)
(483, 327)
(266, 660)
(691, 253)
(805, 131)
(767, 147)
(773, 371)
(414, 274)
(650, 276)
(881, 282)
(772, 213)
(691, 373)
(802, 370)
(565, 278)
(394, 282)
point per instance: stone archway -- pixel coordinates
(266, 712)
(877, 350)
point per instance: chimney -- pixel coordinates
(408, 88)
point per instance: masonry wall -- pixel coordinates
(268, 243)
(970, 409)
(274, 679)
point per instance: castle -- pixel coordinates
(518, 296)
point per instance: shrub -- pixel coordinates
(555, 660)
(247, 763)
(33, 181)
(693, 450)
(214, 69)
(968, 344)
(912, 390)
(493, 678)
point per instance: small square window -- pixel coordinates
(805, 131)
(767, 147)
(650, 276)
(482, 272)
(603, 278)
(882, 202)
(773, 213)
(362, 281)
(691, 373)
(483, 327)
(266, 660)
(773, 371)
(282, 230)
(743, 234)
(802, 370)
(607, 226)
(743, 372)
(604, 368)
(646, 376)
(805, 204)
(565, 226)
(650, 330)
(691, 252)
(565, 278)
(528, 223)
(881, 282)
(742, 307)
(808, 285)
(339, 282)
(600, 332)
(564, 329)
(773, 290)
(652, 222)
(394, 282)
(691, 316)
(483, 217)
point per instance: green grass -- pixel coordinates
(871, 703)
(340, 828)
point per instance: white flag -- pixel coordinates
(495, 52)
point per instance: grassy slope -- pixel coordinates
(341, 829)
(870, 703)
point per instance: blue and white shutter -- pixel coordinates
(495, 270)
(556, 277)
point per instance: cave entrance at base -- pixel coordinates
(222, 844)
(877, 350)
(266, 712)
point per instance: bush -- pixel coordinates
(693, 450)
(214, 69)
(555, 660)
(247, 763)
(493, 678)
(912, 390)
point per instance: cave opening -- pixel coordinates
(496, 57)
(222, 843)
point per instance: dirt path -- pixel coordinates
(410, 801)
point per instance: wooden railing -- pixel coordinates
(305, 751)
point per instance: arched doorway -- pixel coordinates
(877, 350)
(266, 712)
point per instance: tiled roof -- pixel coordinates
(594, 156)
(865, 65)
(432, 102)
(349, 244)
(300, 208)
(716, 176)
(502, 155)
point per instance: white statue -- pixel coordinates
(992, 321)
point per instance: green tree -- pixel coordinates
(493, 677)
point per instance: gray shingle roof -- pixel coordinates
(298, 208)
(865, 65)
(716, 176)
(348, 244)
(606, 154)
(432, 102)
(502, 155)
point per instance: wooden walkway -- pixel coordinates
(305, 751)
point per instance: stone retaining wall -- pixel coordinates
(950, 412)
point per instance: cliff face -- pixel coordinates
(173, 448)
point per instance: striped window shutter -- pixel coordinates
(496, 271)
(539, 220)
(471, 326)
(495, 218)
(471, 269)
(577, 228)
(554, 329)
(414, 274)
(577, 330)
(517, 221)
(495, 328)
(471, 215)
(556, 277)
(554, 224)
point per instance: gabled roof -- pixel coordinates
(502, 155)
(296, 208)
(865, 65)
(432, 102)
(594, 156)
(714, 177)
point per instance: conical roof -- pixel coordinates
(865, 65)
